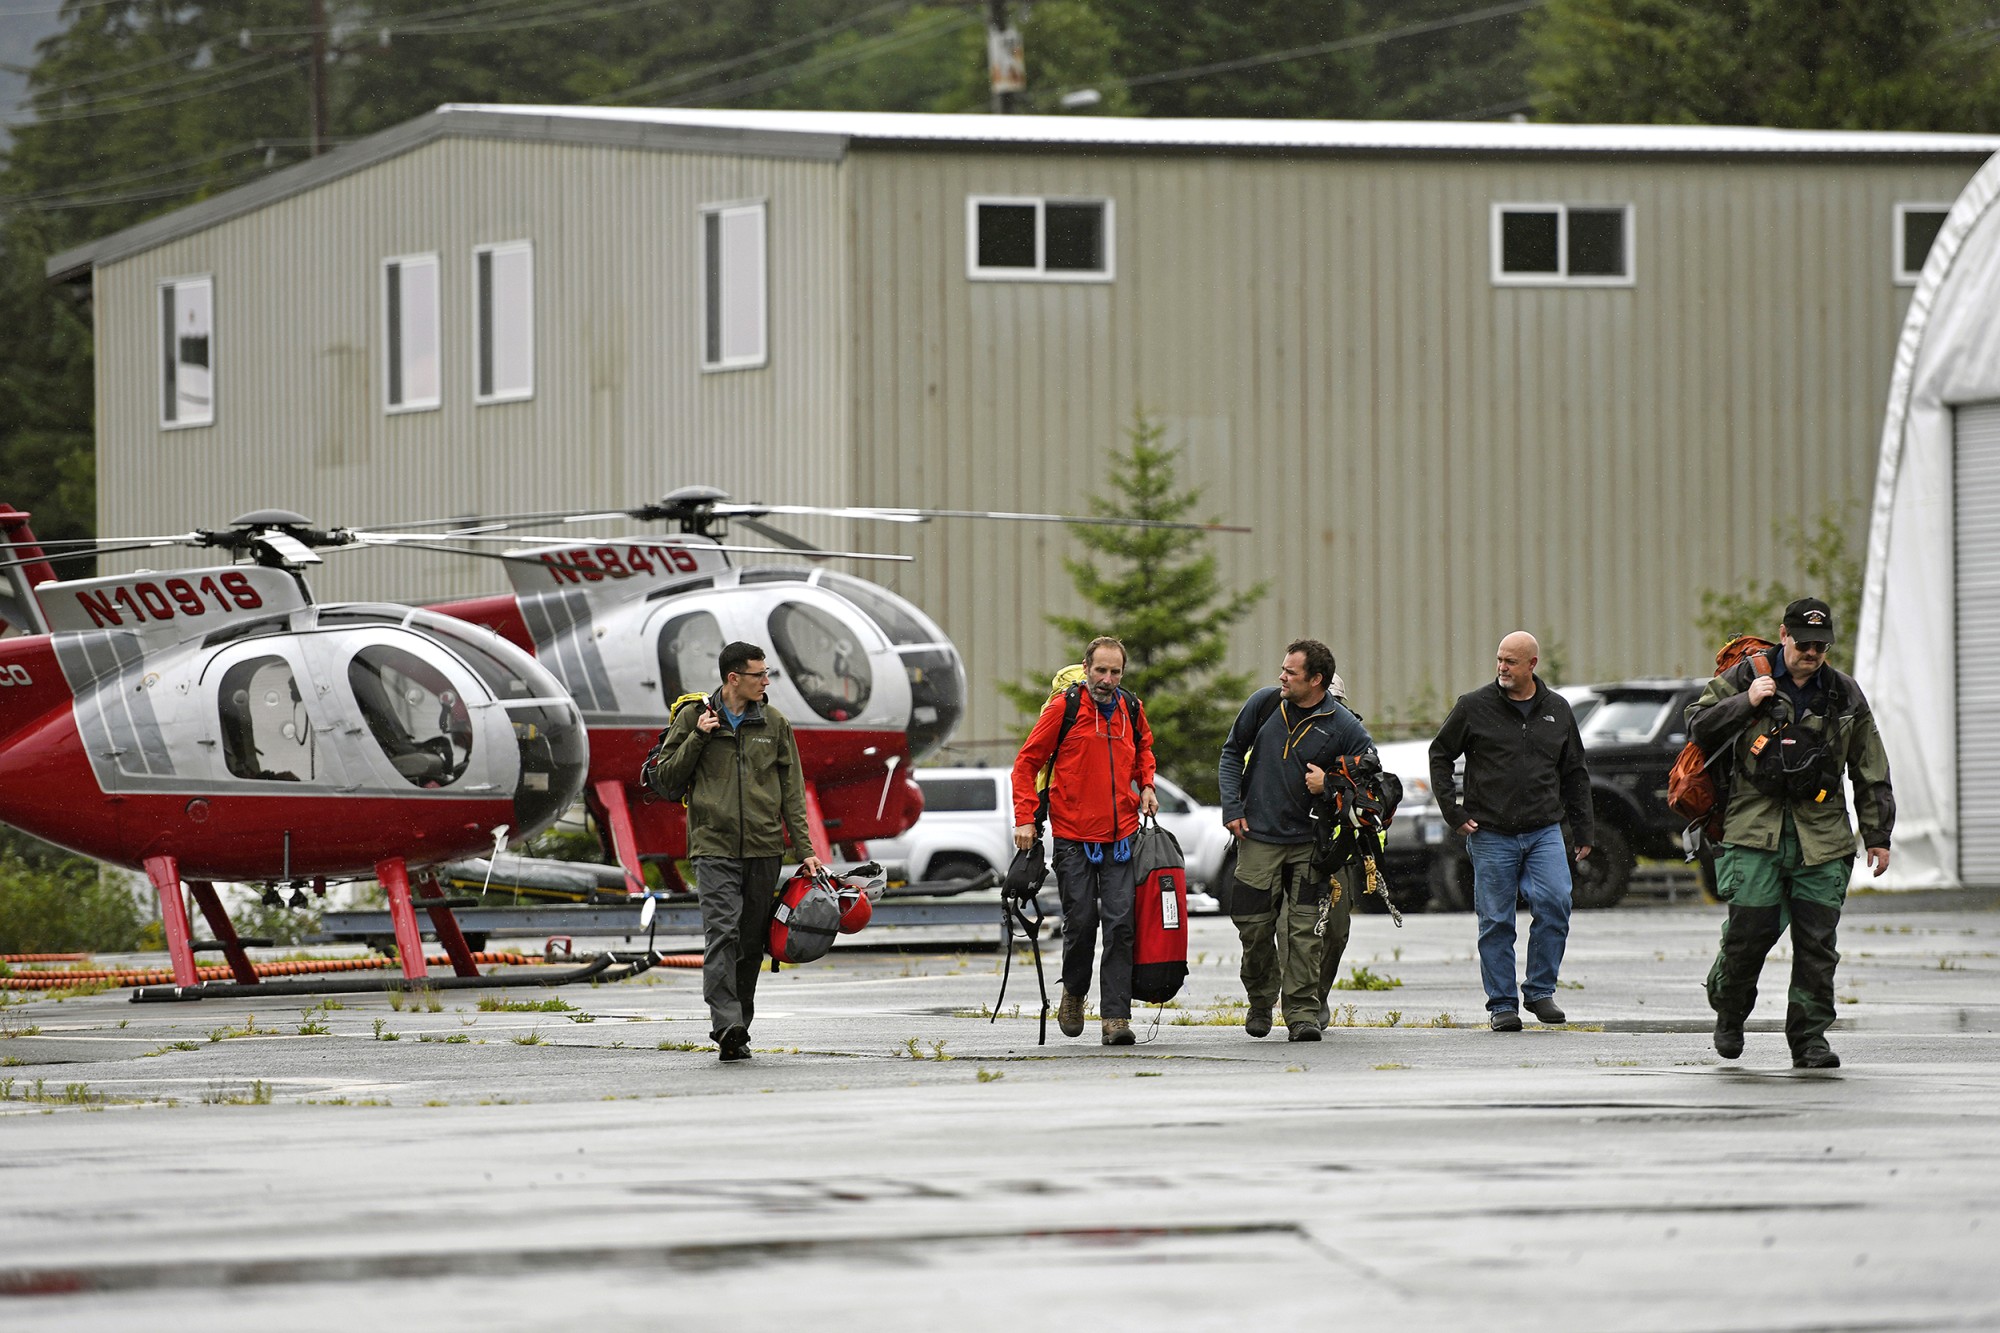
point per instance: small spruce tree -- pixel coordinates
(1157, 590)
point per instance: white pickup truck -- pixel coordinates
(967, 829)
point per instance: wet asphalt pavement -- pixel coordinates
(890, 1160)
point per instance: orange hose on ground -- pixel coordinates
(43, 957)
(53, 980)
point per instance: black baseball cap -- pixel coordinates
(1810, 620)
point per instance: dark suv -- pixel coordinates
(1630, 742)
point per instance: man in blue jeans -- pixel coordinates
(1524, 776)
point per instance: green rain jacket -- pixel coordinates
(744, 788)
(1840, 724)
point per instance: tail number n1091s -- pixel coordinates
(146, 599)
(11, 676)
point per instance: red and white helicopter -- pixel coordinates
(870, 682)
(218, 724)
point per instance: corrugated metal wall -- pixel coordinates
(622, 411)
(1429, 460)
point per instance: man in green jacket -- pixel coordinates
(732, 758)
(1791, 727)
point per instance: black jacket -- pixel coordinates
(1270, 789)
(1520, 773)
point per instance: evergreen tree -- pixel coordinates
(1803, 64)
(1157, 590)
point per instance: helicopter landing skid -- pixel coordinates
(611, 966)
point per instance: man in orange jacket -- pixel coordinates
(1101, 782)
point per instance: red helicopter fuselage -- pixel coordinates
(868, 682)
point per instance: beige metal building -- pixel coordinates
(1460, 378)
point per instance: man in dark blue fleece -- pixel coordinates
(1283, 731)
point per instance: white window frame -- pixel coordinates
(762, 357)
(1561, 277)
(479, 348)
(389, 341)
(174, 285)
(1039, 273)
(1908, 277)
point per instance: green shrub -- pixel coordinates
(53, 902)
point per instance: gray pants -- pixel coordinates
(1090, 894)
(737, 898)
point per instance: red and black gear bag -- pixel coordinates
(1692, 792)
(806, 919)
(1159, 914)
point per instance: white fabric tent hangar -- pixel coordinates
(1928, 651)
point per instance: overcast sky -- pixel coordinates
(22, 24)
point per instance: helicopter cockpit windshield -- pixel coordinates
(265, 733)
(414, 714)
(825, 662)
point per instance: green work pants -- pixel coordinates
(1347, 883)
(1275, 905)
(1763, 890)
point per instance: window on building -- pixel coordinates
(733, 305)
(1060, 240)
(503, 284)
(1557, 245)
(410, 329)
(187, 352)
(1917, 228)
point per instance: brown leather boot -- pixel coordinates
(1069, 1015)
(1118, 1032)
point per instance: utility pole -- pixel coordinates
(1006, 64)
(317, 80)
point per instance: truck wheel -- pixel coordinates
(956, 867)
(1600, 879)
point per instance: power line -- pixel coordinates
(685, 76)
(778, 78)
(67, 192)
(1331, 48)
(93, 112)
(179, 81)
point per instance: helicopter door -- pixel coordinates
(267, 735)
(415, 711)
(690, 644)
(824, 660)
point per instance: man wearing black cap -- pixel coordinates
(1791, 727)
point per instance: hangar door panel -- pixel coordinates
(1977, 491)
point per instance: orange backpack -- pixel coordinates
(1691, 792)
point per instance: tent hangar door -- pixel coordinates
(1976, 467)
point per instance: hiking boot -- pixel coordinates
(735, 1044)
(1728, 1037)
(1505, 1020)
(1069, 1015)
(1118, 1032)
(1815, 1055)
(1547, 1010)
(1302, 1031)
(1258, 1021)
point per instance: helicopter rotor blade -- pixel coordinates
(99, 543)
(374, 538)
(55, 557)
(778, 535)
(1090, 520)
(476, 555)
(745, 512)
(491, 522)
